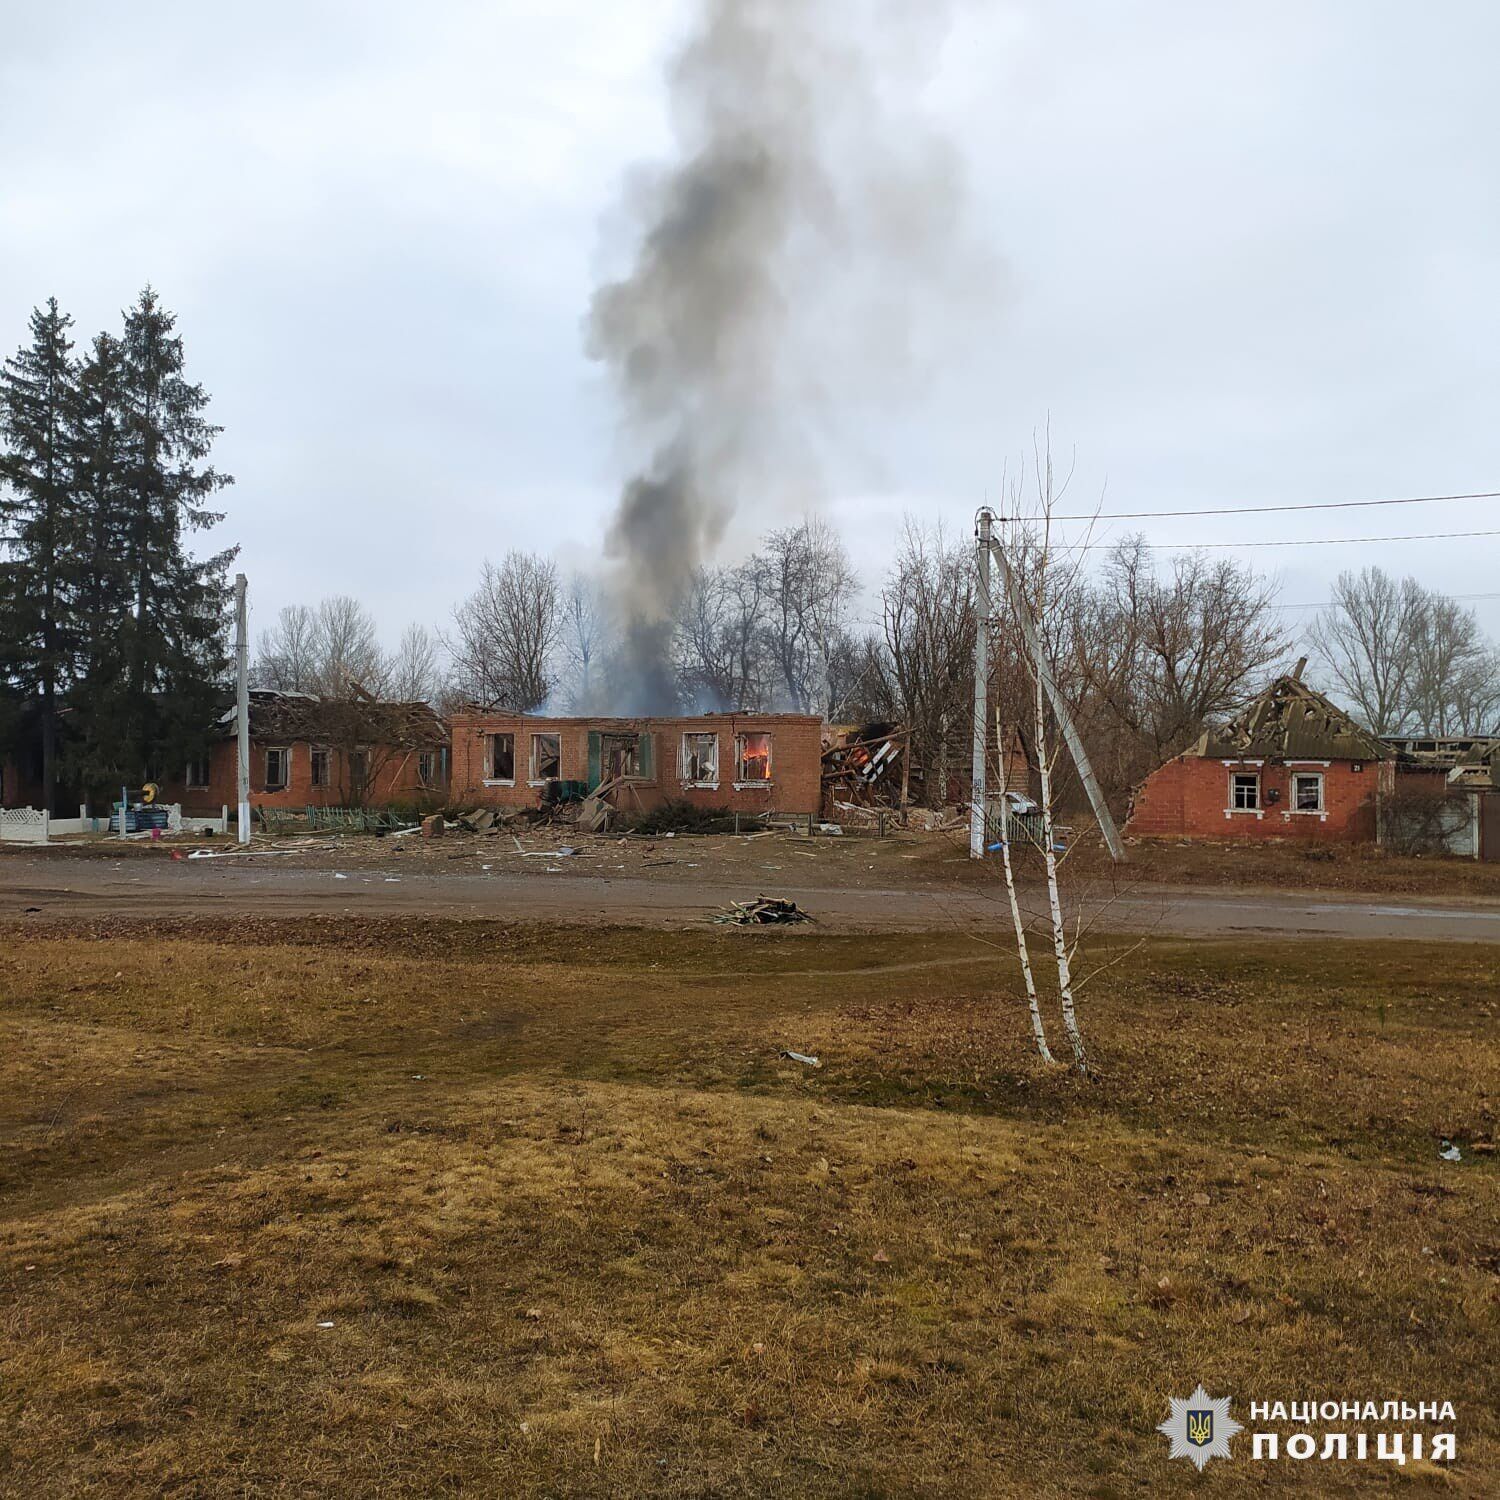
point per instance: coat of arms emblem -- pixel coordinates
(1200, 1428)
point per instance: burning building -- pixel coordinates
(732, 762)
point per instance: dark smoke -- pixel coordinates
(796, 236)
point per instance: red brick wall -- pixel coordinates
(394, 774)
(1187, 798)
(796, 760)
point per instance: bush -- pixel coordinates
(1422, 820)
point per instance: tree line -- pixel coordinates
(105, 616)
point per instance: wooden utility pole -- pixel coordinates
(982, 531)
(242, 705)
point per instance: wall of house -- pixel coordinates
(796, 760)
(394, 775)
(1189, 797)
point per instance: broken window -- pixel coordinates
(502, 757)
(620, 756)
(1307, 793)
(359, 764)
(1244, 792)
(427, 767)
(700, 758)
(278, 764)
(546, 757)
(319, 766)
(197, 771)
(752, 757)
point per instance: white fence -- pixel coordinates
(26, 825)
(23, 825)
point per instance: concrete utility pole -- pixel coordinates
(242, 704)
(1060, 707)
(983, 523)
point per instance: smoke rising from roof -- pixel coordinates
(792, 250)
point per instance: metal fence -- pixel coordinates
(352, 819)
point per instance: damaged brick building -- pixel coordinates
(322, 752)
(1293, 765)
(732, 762)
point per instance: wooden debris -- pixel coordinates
(763, 911)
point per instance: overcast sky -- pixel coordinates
(1241, 254)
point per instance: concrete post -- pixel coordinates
(242, 705)
(983, 524)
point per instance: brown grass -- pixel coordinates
(580, 1230)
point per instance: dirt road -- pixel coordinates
(56, 884)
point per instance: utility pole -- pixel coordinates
(242, 705)
(1060, 707)
(983, 523)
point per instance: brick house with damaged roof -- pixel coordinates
(1294, 766)
(357, 751)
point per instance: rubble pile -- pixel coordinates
(764, 911)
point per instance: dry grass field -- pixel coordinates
(347, 1208)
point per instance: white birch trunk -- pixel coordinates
(1059, 934)
(1038, 1030)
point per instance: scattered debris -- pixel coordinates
(327, 1324)
(763, 911)
(803, 1057)
(236, 853)
(1450, 1152)
(432, 826)
(482, 820)
(566, 852)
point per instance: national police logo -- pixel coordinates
(1200, 1428)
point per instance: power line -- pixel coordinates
(1263, 510)
(1317, 541)
(1333, 604)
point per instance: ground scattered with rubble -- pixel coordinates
(418, 1207)
(916, 859)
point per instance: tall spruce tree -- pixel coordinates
(99, 475)
(39, 520)
(151, 486)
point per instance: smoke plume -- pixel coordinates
(797, 244)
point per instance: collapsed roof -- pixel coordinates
(1471, 761)
(1289, 721)
(359, 719)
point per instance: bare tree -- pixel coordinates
(1367, 641)
(928, 620)
(722, 635)
(286, 655)
(325, 651)
(810, 584)
(1166, 654)
(1038, 598)
(414, 670)
(582, 629)
(347, 649)
(1455, 672)
(506, 633)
